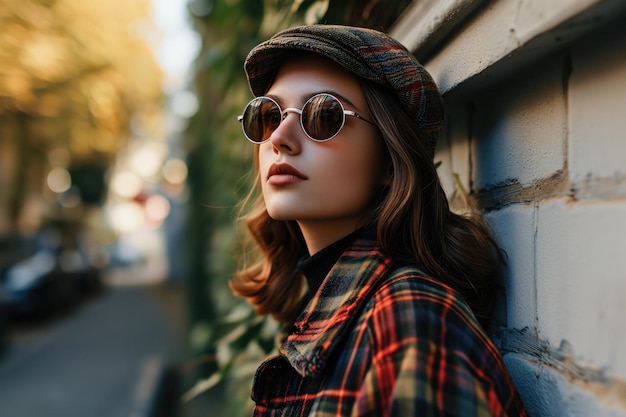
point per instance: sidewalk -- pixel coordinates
(158, 390)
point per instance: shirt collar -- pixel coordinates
(346, 289)
(316, 267)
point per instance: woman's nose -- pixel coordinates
(288, 135)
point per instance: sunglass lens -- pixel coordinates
(322, 117)
(260, 118)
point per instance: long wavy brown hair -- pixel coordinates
(413, 220)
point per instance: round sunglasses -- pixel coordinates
(322, 117)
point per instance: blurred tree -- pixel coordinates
(73, 75)
(223, 331)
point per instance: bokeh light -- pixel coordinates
(157, 208)
(147, 160)
(126, 217)
(126, 184)
(59, 180)
(175, 171)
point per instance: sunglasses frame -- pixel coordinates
(283, 114)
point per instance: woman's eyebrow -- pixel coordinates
(341, 98)
(305, 97)
(274, 97)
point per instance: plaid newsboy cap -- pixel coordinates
(368, 53)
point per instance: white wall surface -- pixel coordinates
(536, 95)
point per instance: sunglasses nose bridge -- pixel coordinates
(284, 113)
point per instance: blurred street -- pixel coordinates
(104, 358)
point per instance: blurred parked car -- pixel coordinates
(45, 273)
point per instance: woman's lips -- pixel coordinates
(284, 174)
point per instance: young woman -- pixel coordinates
(381, 287)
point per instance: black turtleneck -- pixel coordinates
(316, 267)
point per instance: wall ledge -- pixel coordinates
(426, 23)
(467, 43)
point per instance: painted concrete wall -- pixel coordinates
(536, 95)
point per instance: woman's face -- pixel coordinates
(324, 185)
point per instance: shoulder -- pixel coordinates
(409, 284)
(424, 334)
(411, 305)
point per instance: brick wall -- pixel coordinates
(536, 95)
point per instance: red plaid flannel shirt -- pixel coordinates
(384, 340)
